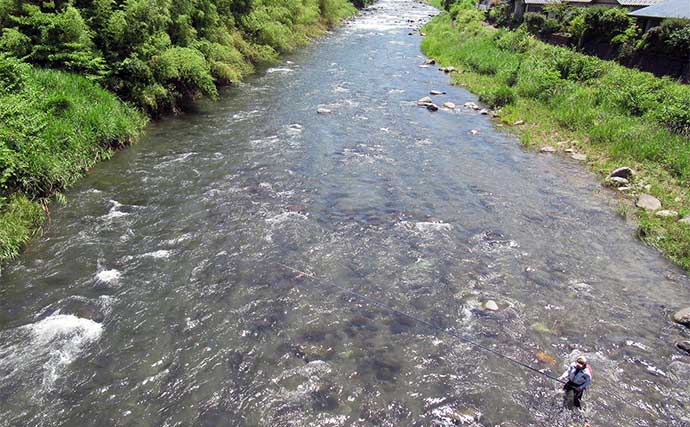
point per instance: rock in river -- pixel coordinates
(491, 305)
(432, 107)
(323, 111)
(547, 149)
(423, 102)
(449, 105)
(648, 203)
(682, 316)
(437, 92)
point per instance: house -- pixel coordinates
(520, 7)
(652, 15)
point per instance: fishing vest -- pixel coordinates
(580, 377)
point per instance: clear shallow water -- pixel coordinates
(154, 298)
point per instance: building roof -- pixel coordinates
(665, 9)
(640, 2)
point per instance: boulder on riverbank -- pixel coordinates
(624, 173)
(648, 203)
(683, 345)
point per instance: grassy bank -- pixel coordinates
(78, 79)
(55, 126)
(615, 115)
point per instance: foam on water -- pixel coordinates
(279, 70)
(108, 276)
(48, 346)
(160, 254)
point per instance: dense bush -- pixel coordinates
(534, 22)
(671, 37)
(157, 53)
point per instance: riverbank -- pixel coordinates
(72, 95)
(55, 127)
(598, 112)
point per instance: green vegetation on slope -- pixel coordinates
(618, 116)
(160, 53)
(56, 58)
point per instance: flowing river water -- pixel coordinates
(155, 297)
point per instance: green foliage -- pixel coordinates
(514, 41)
(15, 43)
(671, 37)
(159, 53)
(534, 22)
(499, 97)
(184, 71)
(499, 15)
(19, 220)
(12, 75)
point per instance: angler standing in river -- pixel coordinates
(579, 376)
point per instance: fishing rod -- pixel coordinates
(455, 335)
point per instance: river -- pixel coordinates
(156, 296)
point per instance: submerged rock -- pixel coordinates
(322, 110)
(491, 305)
(648, 203)
(682, 317)
(474, 132)
(624, 172)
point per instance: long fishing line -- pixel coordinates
(455, 335)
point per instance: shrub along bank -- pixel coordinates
(57, 58)
(617, 116)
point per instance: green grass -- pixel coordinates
(54, 126)
(615, 115)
